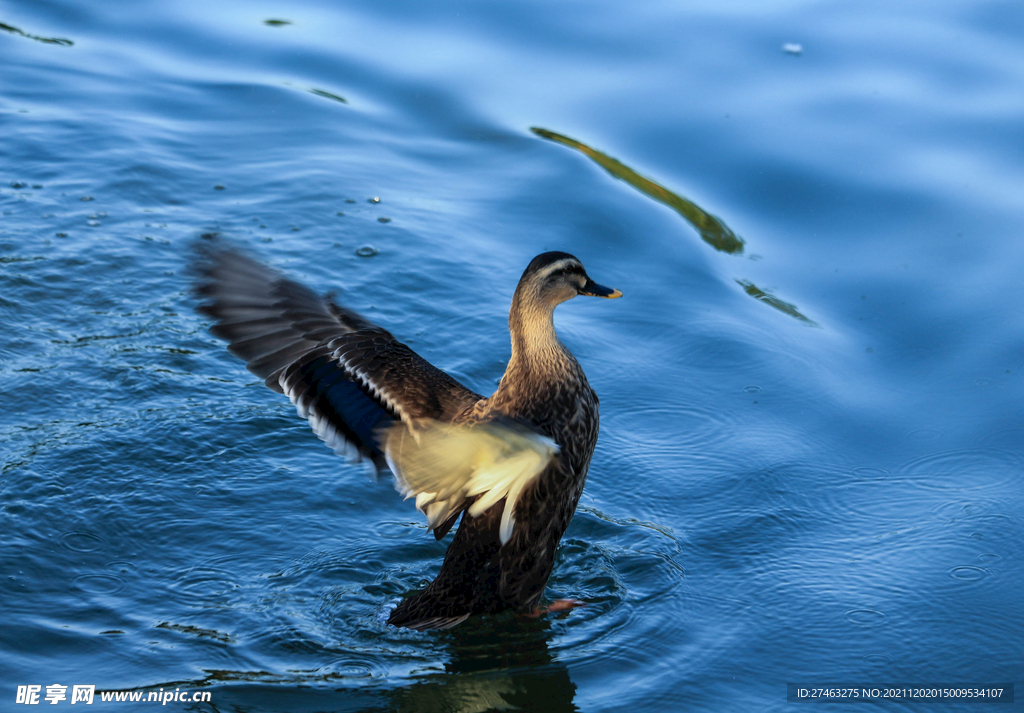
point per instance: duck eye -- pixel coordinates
(571, 270)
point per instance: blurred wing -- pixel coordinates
(449, 468)
(345, 375)
(268, 320)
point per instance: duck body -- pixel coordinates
(354, 381)
(480, 574)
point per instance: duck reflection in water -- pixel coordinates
(512, 466)
(496, 664)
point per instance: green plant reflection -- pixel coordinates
(48, 40)
(712, 230)
(329, 95)
(772, 301)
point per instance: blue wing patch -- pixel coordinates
(321, 389)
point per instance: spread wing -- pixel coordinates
(348, 377)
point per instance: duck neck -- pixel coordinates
(536, 349)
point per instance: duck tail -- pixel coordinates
(467, 584)
(421, 612)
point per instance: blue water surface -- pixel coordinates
(811, 460)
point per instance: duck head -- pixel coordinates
(554, 277)
(549, 280)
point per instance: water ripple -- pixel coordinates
(79, 541)
(198, 585)
(975, 469)
(866, 617)
(99, 583)
(968, 573)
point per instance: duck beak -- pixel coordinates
(592, 289)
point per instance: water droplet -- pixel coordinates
(366, 251)
(385, 611)
(122, 566)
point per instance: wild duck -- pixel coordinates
(512, 465)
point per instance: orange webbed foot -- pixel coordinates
(559, 605)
